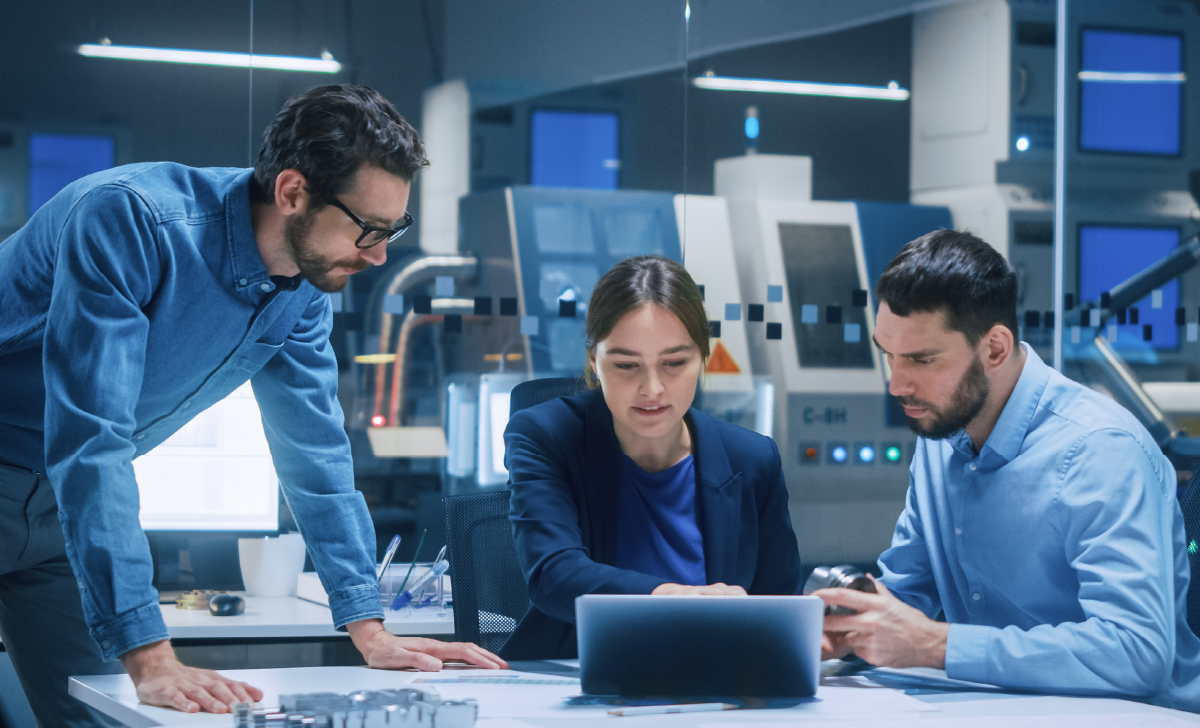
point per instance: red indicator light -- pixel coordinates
(810, 453)
(378, 421)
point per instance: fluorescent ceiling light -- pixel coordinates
(891, 92)
(325, 64)
(1112, 77)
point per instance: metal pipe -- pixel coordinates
(1127, 390)
(411, 322)
(420, 271)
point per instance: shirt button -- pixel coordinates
(971, 466)
(958, 532)
(242, 281)
(105, 644)
(975, 596)
(266, 286)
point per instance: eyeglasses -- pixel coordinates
(371, 234)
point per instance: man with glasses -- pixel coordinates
(132, 301)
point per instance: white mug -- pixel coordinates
(271, 564)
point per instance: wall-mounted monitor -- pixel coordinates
(57, 160)
(214, 474)
(1109, 255)
(574, 149)
(1131, 92)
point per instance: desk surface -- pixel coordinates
(284, 617)
(541, 705)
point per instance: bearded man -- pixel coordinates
(1041, 519)
(129, 303)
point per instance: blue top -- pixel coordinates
(130, 302)
(565, 472)
(657, 531)
(1057, 552)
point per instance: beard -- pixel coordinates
(969, 397)
(297, 236)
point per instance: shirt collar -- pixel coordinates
(1011, 428)
(247, 264)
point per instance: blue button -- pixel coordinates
(839, 453)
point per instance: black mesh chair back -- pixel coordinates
(1189, 503)
(536, 391)
(490, 595)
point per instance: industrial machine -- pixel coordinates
(808, 269)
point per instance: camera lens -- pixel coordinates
(843, 576)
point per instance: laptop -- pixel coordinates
(639, 646)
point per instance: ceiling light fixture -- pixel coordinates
(891, 92)
(324, 64)
(1114, 77)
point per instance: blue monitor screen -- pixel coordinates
(57, 160)
(1132, 92)
(574, 149)
(1110, 255)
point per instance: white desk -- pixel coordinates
(290, 617)
(539, 705)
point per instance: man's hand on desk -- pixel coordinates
(675, 590)
(886, 632)
(162, 680)
(382, 649)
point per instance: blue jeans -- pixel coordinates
(41, 617)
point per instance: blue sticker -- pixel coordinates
(774, 294)
(810, 313)
(852, 333)
(443, 286)
(393, 303)
(733, 312)
(529, 325)
(336, 300)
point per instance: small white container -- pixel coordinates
(271, 564)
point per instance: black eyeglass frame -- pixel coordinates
(367, 228)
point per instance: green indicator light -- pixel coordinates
(892, 454)
(1192, 547)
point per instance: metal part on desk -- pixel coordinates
(196, 599)
(403, 708)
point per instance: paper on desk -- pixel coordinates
(926, 678)
(1111, 720)
(546, 701)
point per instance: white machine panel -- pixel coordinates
(709, 258)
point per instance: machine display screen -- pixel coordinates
(1132, 92)
(214, 474)
(821, 270)
(574, 149)
(1109, 256)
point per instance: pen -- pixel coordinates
(387, 558)
(413, 565)
(404, 597)
(660, 709)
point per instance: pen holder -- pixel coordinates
(433, 595)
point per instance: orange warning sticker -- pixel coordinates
(720, 362)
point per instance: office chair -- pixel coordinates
(536, 391)
(490, 594)
(1189, 503)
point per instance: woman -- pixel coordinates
(627, 490)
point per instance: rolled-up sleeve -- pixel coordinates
(1116, 522)
(297, 391)
(106, 266)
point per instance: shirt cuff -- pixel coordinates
(966, 652)
(130, 630)
(355, 603)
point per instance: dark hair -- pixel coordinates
(327, 133)
(636, 281)
(957, 273)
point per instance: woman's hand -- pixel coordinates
(675, 590)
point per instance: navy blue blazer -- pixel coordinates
(565, 474)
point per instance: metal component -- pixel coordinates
(196, 599)
(403, 708)
(833, 577)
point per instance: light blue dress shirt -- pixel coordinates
(129, 303)
(1057, 553)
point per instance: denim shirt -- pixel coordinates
(129, 303)
(1057, 552)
